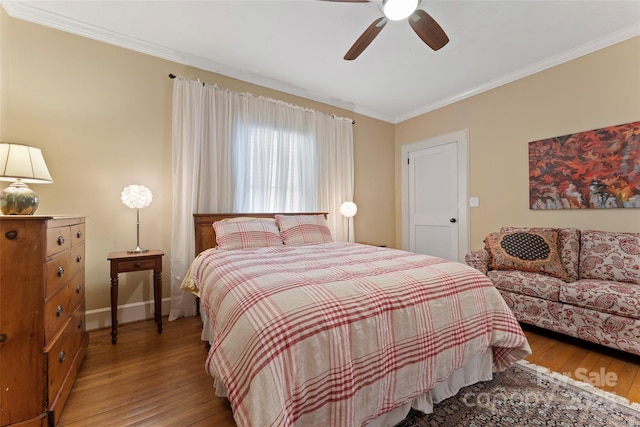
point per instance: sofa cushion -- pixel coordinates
(618, 298)
(535, 251)
(526, 283)
(568, 245)
(610, 256)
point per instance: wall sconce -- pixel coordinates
(137, 197)
(21, 165)
(348, 210)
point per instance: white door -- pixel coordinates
(433, 201)
(436, 194)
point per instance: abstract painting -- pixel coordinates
(597, 169)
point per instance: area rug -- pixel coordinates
(528, 395)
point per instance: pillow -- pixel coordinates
(608, 255)
(568, 245)
(247, 218)
(246, 234)
(534, 251)
(301, 229)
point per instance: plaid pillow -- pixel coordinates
(301, 229)
(246, 234)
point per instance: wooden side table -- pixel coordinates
(372, 244)
(124, 262)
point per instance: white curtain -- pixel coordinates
(228, 151)
(275, 158)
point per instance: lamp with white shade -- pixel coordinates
(137, 197)
(348, 210)
(21, 165)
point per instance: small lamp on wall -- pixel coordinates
(348, 210)
(21, 165)
(137, 197)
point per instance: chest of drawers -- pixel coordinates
(42, 327)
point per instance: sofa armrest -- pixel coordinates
(478, 259)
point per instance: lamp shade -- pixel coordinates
(136, 196)
(348, 209)
(23, 163)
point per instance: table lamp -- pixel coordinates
(137, 197)
(21, 165)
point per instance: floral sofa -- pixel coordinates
(581, 283)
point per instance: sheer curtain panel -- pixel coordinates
(201, 178)
(233, 152)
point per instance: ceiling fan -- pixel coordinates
(424, 25)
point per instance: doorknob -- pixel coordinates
(452, 220)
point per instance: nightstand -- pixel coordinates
(372, 244)
(124, 262)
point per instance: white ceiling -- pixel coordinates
(297, 46)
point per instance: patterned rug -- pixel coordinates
(528, 395)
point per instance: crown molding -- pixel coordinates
(585, 49)
(19, 10)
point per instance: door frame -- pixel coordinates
(461, 139)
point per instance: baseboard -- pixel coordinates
(101, 318)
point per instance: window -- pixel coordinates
(275, 169)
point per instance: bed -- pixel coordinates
(305, 331)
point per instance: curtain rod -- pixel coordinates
(173, 76)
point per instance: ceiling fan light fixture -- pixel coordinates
(396, 10)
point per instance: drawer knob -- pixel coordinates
(80, 324)
(60, 240)
(78, 289)
(60, 271)
(79, 258)
(3, 338)
(59, 311)
(138, 264)
(79, 234)
(11, 234)
(63, 356)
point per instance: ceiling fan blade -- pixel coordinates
(365, 39)
(428, 29)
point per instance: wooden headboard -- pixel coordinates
(205, 234)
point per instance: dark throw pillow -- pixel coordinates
(534, 251)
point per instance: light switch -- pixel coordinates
(474, 202)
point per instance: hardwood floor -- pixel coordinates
(606, 368)
(148, 379)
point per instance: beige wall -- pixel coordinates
(594, 91)
(102, 116)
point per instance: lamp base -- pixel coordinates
(18, 199)
(137, 250)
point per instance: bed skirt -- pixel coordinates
(478, 369)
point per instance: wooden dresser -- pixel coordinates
(42, 327)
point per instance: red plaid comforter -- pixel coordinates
(337, 334)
